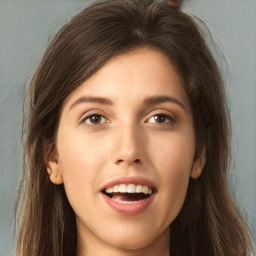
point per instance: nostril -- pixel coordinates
(136, 161)
(119, 161)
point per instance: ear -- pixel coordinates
(199, 163)
(52, 166)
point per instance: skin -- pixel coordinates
(130, 139)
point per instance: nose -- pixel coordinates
(128, 146)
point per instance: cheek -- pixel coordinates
(80, 164)
(175, 153)
(78, 155)
(174, 162)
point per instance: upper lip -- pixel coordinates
(129, 180)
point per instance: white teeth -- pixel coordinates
(122, 188)
(138, 188)
(129, 188)
(145, 189)
(115, 188)
(109, 190)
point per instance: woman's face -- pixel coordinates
(126, 150)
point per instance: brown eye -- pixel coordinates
(161, 119)
(95, 119)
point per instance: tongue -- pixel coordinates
(129, 197)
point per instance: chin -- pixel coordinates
(132, 243)
(135, 240)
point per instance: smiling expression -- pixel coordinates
(126, 150)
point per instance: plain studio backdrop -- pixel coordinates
(26, 26)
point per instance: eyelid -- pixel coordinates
(164, 113)
(168, 115)
(92, 113)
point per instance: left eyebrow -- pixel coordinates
(88, 99)
(162, 99)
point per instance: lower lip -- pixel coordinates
(129, 208)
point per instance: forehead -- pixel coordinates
(143, 72)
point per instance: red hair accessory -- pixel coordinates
(176, 3)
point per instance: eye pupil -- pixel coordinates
(95, 119)
(160, 118)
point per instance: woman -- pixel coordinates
(128, 140)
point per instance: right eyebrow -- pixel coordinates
(162, 99)
(86, 99)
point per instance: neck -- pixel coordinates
(93, 246)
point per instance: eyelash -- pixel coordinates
(90, 116)
(164, 115)
(170, 117)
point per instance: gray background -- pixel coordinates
(25, 27)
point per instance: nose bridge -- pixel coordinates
(127, 144)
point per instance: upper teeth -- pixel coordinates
(129, 188)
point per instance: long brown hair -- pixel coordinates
(209, 223)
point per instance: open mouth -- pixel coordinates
(128, 192)
(129, 199)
